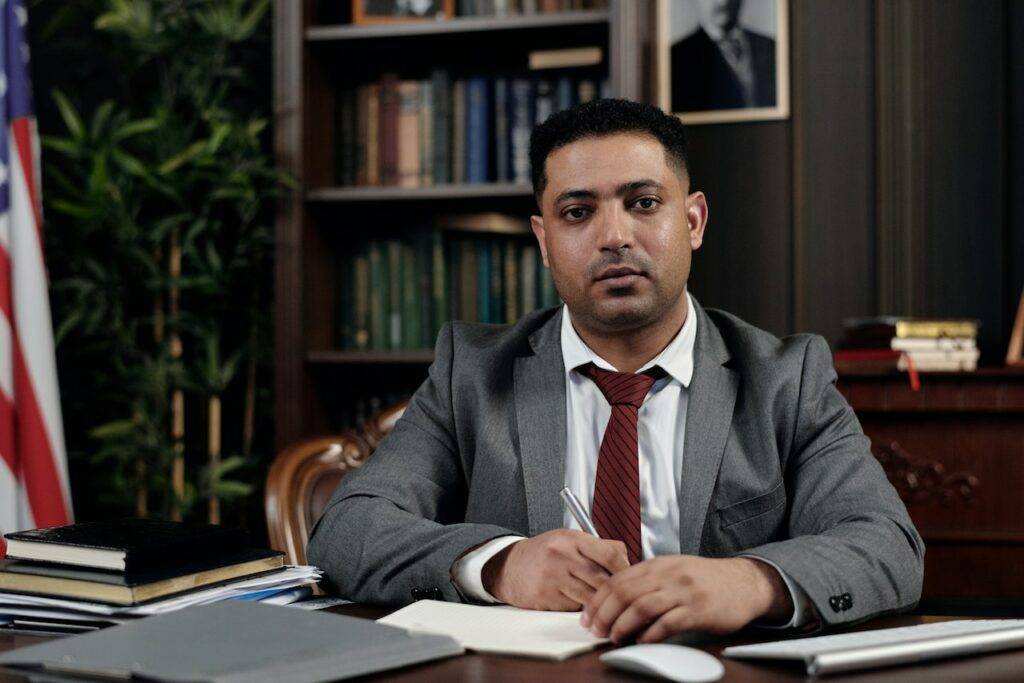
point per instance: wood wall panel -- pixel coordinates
(745, 264)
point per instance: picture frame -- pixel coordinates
(394, 11)
(739, 50)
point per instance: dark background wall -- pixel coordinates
(894, 187)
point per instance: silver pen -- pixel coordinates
(577, 511)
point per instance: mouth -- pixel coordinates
(620, 276)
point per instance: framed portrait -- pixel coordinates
(723, 60)
(387, 11)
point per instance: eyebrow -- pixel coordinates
(621, 190)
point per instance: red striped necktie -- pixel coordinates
(616, 506)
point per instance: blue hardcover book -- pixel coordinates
(520, 126)
(442, 125)
(564, 91)
(483, 280)
(477, 130)
(502, 164)
(544, 100)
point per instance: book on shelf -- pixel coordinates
(419, 133)
(396, 293)
(512, 8)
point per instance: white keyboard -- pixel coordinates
(886, 647)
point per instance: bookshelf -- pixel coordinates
(323, 380)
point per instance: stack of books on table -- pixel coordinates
(87, 576)
(918, 344)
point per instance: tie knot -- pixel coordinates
(622, 388)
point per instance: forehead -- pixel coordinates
(607, 159)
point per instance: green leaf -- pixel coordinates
(183, 157)
(129, 164)
(233, 489)
(115, 428)
(138, 127)
(99, 119)
(251, 21)
(67, 112)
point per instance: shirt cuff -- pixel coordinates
(468, 570)
(803, 609)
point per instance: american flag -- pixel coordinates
(33, 468)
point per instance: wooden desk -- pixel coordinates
(475, 668)
(955, 452)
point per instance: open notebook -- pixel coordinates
(499, 629)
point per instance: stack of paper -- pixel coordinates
(499, 629)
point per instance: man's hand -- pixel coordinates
(557, 570)
(662, 596)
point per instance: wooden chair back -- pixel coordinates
(303, 478)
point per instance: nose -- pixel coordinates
(614, 229)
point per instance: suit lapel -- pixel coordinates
(539, 386)
(712, 397)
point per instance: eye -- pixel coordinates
(575, 213)
(646, 203)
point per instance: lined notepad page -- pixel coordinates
(499, 629)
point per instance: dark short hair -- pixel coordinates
(604, 117)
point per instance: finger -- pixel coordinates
(609, 554)
(645, 610)
(618, 599)
(588, 571)
(674, 621)
(576, 590)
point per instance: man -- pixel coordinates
(722, 65)
(729, 480)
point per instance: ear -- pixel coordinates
(537, 223)
(696, 218)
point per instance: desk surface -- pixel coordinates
(491, 668)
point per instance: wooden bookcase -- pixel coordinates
(320, 222)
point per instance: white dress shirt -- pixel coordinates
(661, 431)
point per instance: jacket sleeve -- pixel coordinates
(852, 545)
(395, 524)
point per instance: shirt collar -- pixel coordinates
(717, 34)
(676, 359)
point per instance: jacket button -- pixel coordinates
(835, 603)
(846, 601)
(433, 593)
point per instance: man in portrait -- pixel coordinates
(722, 65)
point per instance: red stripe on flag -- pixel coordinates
(23, 141)
(7, 433)
(38, 468)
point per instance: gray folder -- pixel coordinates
(235, 641)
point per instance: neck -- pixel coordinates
(630, 350)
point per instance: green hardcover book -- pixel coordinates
(497, 287)
(394, 306)
(345, 312)
(442, 91)
(410, 299)
(426, 133)
(423, 256)
(528, 277)
(483, 280)
(378, 297)
(511, 289)
(453, 252)
(458, 146)
(441, 309)
(548, 296)
(361, 299)
(468, 302)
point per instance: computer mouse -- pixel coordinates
(674, 662)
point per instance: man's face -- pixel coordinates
(617, 229)
(721, 13)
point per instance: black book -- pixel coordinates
(125, 545)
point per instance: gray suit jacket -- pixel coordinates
(775, 465)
